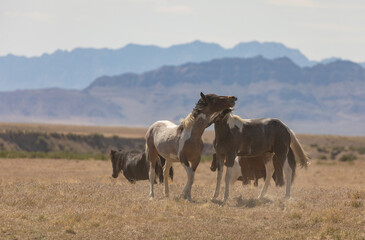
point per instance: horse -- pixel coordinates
(246, 169)
(182, 143)
(135, 166)
(248, 138)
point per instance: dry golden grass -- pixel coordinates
(67, 199)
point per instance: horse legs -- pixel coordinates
(190, 171)
(151, 154)
(219, 162)
(229, 172)
(269, 166)
(166, 170)
(186, 194)
(288, 178)
(227, 180)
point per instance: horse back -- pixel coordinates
(264, 135)
(164, 137)
(136, 166)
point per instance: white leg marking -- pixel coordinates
(227, 180)
(187, 190)
(218, 184)
(288, 174)
(269, 166)
(152, 181)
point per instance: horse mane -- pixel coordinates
(228, 112)
(115, 155)
(224, 114)
(187, 122)
(237, 117)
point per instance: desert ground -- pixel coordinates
(68, 199)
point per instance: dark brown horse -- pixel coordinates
(183, 143)
(134, 165)
(235, 136)
(247, 169)
(253, 168)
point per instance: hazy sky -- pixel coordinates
(320, 29)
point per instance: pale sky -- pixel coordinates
(319, 29)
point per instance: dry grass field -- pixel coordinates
(68, 199)
(78, 199)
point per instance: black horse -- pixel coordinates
(135, 166)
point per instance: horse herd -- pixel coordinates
(250, 149)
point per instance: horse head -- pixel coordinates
(212, 105)
(116, 162)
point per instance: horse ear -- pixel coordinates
(112, 152)
(203, 97)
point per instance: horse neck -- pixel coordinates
(197, 125)
(221, 128)
(121, 161)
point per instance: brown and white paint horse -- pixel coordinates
(183, 143)
(235, 136)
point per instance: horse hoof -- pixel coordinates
(151, 198)
(186, 198)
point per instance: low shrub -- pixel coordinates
(322, 157)
(348, 157)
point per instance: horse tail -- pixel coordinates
(298, 150)
(159, 168)
(163, 162)
(146, 149)
(292, 163)
(171, 173)
(150, 149)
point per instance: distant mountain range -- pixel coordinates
(322, 99)
(76, 69)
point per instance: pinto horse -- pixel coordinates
(183, 143)
(235, 136)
